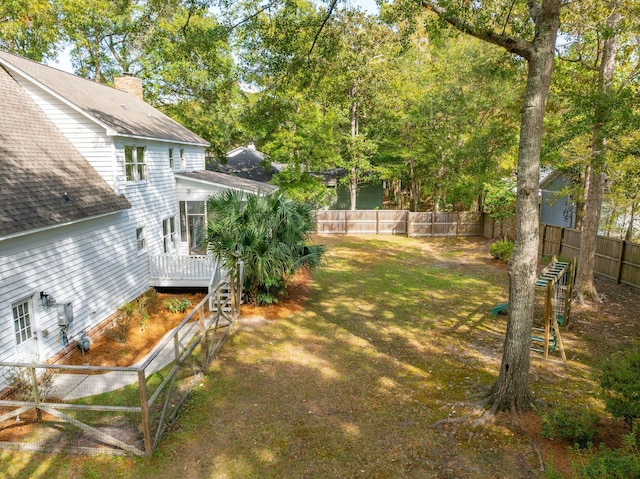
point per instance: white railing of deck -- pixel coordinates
(181, 267)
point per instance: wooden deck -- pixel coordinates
(182, 270)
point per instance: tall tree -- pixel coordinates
(531, 35)
(594, 112)
(190, 74)
(453, 120)
(177, 47)
(356, 78)
(601, 52)
(338, 61)
(29, 28)
(595, 177)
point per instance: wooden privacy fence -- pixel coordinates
(414, 224)
(615, 259)
(91, 409)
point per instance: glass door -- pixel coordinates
(25, 331)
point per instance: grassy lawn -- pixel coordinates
(395, 339)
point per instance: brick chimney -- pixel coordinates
(130, 84)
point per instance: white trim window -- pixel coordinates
(134, 164)
(141, 242)
(22, 321)
(172, 164)
(169, 235)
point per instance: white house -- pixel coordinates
(100, 195)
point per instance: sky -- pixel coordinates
(63, 62)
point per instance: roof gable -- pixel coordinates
(45, 181)
(122, 112)
(247, 163)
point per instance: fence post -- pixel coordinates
(561, 239)
(621, 261)
(377, 222)
(36, 392)
(408, 224)
(542, 240)
(458, 224)
(144, 409)
(433, 224)
(203, 340)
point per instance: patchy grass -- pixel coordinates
(396, 340)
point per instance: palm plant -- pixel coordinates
(268, 233)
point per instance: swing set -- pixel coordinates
(556, 280)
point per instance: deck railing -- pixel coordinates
(181, 267)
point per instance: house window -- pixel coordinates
(169, 234)
(135, 167)
(140, 241)
(22, 321)
(171, 162)
(183, 163)
(192, 225)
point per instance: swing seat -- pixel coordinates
(500, 309)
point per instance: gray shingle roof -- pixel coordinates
(123, 112)
(228, 181)
(39, 166)
(247, 163)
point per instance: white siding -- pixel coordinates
(88, 137)
(94, 264)
(152, 200)
(196, 191)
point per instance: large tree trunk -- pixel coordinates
(511, 391)
(353, 189)
(629, 235)
(595, 181)
(414, 191)
(580, 204)
(353, 181)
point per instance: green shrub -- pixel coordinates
(136, 309)
(21, 383)
(268, 234)
(620, 382)
(623, 463)
(579, 428)
(153, 303)
(176, 305)
(501, 250)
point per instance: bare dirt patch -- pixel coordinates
(106, 351)
(292, 302)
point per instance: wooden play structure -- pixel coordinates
(556, 280)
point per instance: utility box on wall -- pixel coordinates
(65, 314)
